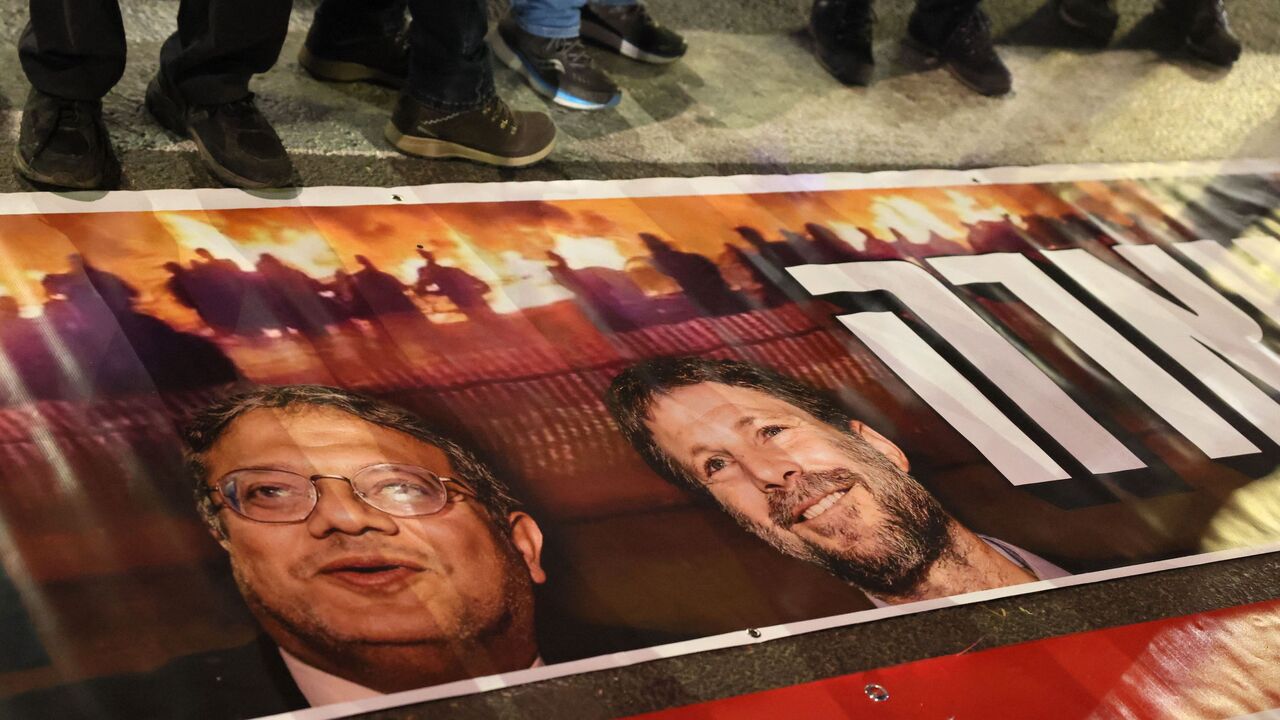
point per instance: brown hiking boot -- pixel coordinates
(492, 133)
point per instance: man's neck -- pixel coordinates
(968, 565)
(394, 668)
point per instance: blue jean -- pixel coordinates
(554, 18)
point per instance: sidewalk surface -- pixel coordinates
(750, 98)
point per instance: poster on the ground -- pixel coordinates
(354, 448)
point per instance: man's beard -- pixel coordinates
(891, 559)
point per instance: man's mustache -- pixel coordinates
(810, 486)
(341, 546)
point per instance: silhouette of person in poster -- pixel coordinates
(225, 297)
(294, 296)
(779, 254)
(376, 293)
(120, 349)
(697, 276)
(24, 345)
(607, 295)
(464, 290)
(827, 246)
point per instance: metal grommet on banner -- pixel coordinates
(754, 633)
(877, 693)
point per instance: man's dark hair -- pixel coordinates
(632, 394)
(204, 428)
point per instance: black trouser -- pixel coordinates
(76, 49)
(449, 61)
(935, 19)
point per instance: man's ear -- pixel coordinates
(527, 537)
(881, 443)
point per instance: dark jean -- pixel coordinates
(449, 65)
(76, 49)
(935, 19)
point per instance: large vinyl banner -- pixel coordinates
(361, 447)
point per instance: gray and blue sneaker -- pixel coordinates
(558, 68)
(629, 30)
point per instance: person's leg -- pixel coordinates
(220, 45)
(202, 89)
(73, 52)
(627, 28)
(449, 63)
(958, 33)
(1204, 25)
(842, 34)
(358, 17)
(73, 49)
(539, 39)
(448, 106)
(1097, 19)
(358, 40)
(934, 20)
(548, 18)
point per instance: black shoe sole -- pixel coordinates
(343, 71)
(108, 180)
(1197, 53)
(932, 55)
(610, 40)
(169, 115)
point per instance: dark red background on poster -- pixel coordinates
(1196, 666)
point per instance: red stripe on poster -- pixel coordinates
(1218, 664)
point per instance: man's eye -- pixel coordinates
(402, 491)
(713, 465)
(269, 493)
(771, 430)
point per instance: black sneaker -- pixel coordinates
(1209, 35)
(491, 134)
(382, 59)
(841, 33)
(630, 31)
(234, 139)
(558, 68)
(1096, 19)
(967, 52)
(64, 144)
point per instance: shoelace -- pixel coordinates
(69, 116)
(242, 108)
(972, 34)
(570, 50)
(499, 113)
(401, 39)
(68, 119)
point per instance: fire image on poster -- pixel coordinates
(358, 448)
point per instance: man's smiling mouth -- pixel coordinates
(370, 572)
(822, 505)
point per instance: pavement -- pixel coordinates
(750, 98)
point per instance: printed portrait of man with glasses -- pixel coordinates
(377, 554)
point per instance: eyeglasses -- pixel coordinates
(278, 496)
